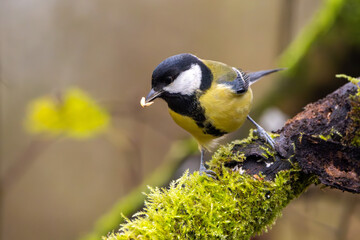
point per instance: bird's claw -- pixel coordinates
(261, 133)
(203, 171)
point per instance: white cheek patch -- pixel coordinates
(187, 82)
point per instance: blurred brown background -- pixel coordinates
(109, 49)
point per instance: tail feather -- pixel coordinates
(254, 76)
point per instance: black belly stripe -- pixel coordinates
(212, 130)
(189, 106)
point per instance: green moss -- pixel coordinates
(134, 200)
(333, 132)
(226, 153)
(354, 114)
(268, 153)
(237, 206)
(353, 80)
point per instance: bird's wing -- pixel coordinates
(241, 82)
(229, 76)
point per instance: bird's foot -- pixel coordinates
(203, 171)
(261, 133)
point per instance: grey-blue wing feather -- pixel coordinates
(241, 83)
(243, 80)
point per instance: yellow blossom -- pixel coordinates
(76, 115)
(43, 116)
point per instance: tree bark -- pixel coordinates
(321, 139)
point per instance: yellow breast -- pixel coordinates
(226, 110)
(223, 109)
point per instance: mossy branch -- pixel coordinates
(194, 207)
(323, 140)
(255, 183)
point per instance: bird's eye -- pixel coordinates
(168, 79)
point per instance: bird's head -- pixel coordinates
(176, 76)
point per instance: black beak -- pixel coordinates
(152, 95)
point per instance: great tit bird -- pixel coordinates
(207, 98)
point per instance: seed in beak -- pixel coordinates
(145, 104)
